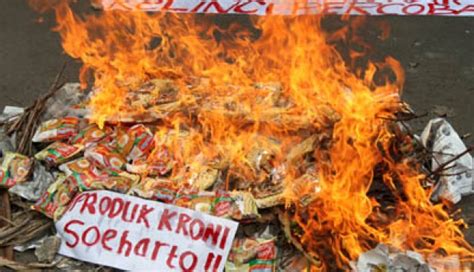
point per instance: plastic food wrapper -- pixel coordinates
(90, 135)
(270, 201)
(104, 157)
(195, 200)
(246, 205)
(383, 258)
(16, 168)
(156, 189)
(158, 163)
(457, 180)
(216, 203)
(136, 142)
(34, 188)
(120, 182)
(67, 101)
(32, 244)
(58, 153)
(149, 168)
(201, 177)
(80, 166)
(57, 129)
(222, 204)
(290, 259)
(250, 254)
(55, 200)
(10, 112)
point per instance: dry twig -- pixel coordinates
(26, 125)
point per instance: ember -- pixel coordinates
(264, 124)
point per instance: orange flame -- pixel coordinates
(220, 116)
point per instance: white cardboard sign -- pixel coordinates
(300, 7)
(131, 233)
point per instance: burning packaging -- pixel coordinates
(456, 175)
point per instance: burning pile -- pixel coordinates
(263, 124)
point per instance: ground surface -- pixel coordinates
(436, 52)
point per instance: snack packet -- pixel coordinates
(223, 205)
(55, 201)
(150, 166)
(81, 166)
(143, 141)
(136, 142)
(57, 129)
(90, 135)
(5, 179)
(118, 182)
(16, 168)
(216, 203)
(104, 157)
(252, 255)
(266, 256)
(156, 189)
(247, 207)
(58, 153)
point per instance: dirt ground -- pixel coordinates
(436, 52)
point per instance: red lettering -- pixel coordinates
(467, 9)
(171, 256)
(89, 202)
(210, 258)
(224, 238)
(76, 200)
(156, 250)
(104, 205)
(116, 207)
(359, 8)
(143, 215)
(141, 248)
(108, 235)
(169, 6)
(86, 234)
(71, 232)
(125, 212)
(165, 219)
(440, 10)
(218, 8)
(213, 233)
(331, 8)
(183, 219)
(420, 7)
(239, 8)
(446, 2)
(125, 243)
(381, 8)
(200, 232)
(217, 263)
(182, 261)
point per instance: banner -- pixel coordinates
(131, 233)
(300, 7)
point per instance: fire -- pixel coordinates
(258, 88)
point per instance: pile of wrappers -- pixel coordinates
(75, 156)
